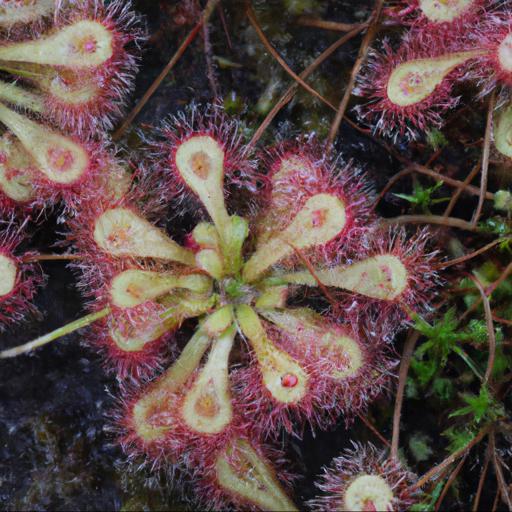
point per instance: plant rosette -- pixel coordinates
(294, 362)
(255, 363)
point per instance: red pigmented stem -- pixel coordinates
(458, 192)
(490, 289)
(500, 320)
(208, 10)
(311, 270)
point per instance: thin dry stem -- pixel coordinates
(488, 291)
(503, 321)
(449, 482)
(405, 363)
(498, 468)
(450, 181)
(290, 92)
(208, 10)
(490, 330)
(460, 185)
(471, 255)
(212, 78)
(370, 425)
(51, 257)
(224, 26)
(254, 22)
(363, 50)
(451, 222)
(433, 472)
(389, 185)
(458, 192)
(481, 480)
(500, 279)
(485, 160)
(496, 500)
(305, 21)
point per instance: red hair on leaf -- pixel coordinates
(363, 479)
(409, 89)
(20, 277)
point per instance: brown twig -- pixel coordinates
(410, 343)
(490, 289)
(460, 185)
(363, 50)
(481, 480)
(490, 330)
(450, 181)
(224, 26)
(373, 429)
(434, 157)
(263, 38)
(496, 499)
(497, 462)
(449, 482)
(466, 257)
(485, 160)
(210, 67)
(433, 472)
(451, 222)
(502, 320)
(389, 185)
(364, 131)
(458, 192)
(290, 92)
(208, 10)
(305, 21)
(51, 257)
(503, 276)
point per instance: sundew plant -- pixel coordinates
(256, 322)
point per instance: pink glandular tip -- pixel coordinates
(90, 46)
(289, 380)
(410, 83)
(318, 218)
(61, 159)
(369, 506)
